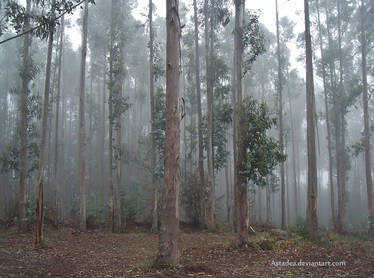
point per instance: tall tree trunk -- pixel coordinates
(40, 205)
(24, 123)
(268, 207)
(102, 141)
(110, 145)
(55, 163)
(82, 131)
(242, 238)
(153, 128)
(295, 185)
(210, 209)
(168, 251)
(199, 116)
(280, 115)
(341, 146)
(329, 146)
(228, 204)
(369, 184)
(311, 131)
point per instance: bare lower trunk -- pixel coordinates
(168, 251)
(268, 207)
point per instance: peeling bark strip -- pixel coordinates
(168, 252)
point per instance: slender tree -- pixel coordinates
(40, 205)
(168, 250)
(311, 131)
(280, 115)
(82, 128)
(210, 206)
(199, 116)
(329, 145)
(55, 163)
(242, 238)
(24, 123)
(369, 183)
(153, 129)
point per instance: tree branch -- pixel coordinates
(40, 25)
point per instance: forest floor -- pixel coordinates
(272, 253)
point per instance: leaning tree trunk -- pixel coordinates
(24, 123)
(199, 116)
(82, 131)
(40, 205)
(168, 250)
(242, 238)
(279, 87)
(369, 184)
(311, 131)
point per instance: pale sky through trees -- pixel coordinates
(293, 9)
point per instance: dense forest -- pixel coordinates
(196, 143)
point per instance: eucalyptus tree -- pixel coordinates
(365, 42)
(152, 107)
(199, 115)
(57, 109)
(168, 251)
(311, 131)
(82, 126)
(40, 204)
(25, 75)
(248, 40)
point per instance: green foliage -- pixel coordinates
(263, 152)
(253, 40)
(30, 211)
(129, 200)
(15, 16)
(160, 128)
(190, 197)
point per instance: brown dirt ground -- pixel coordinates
(68, 253)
